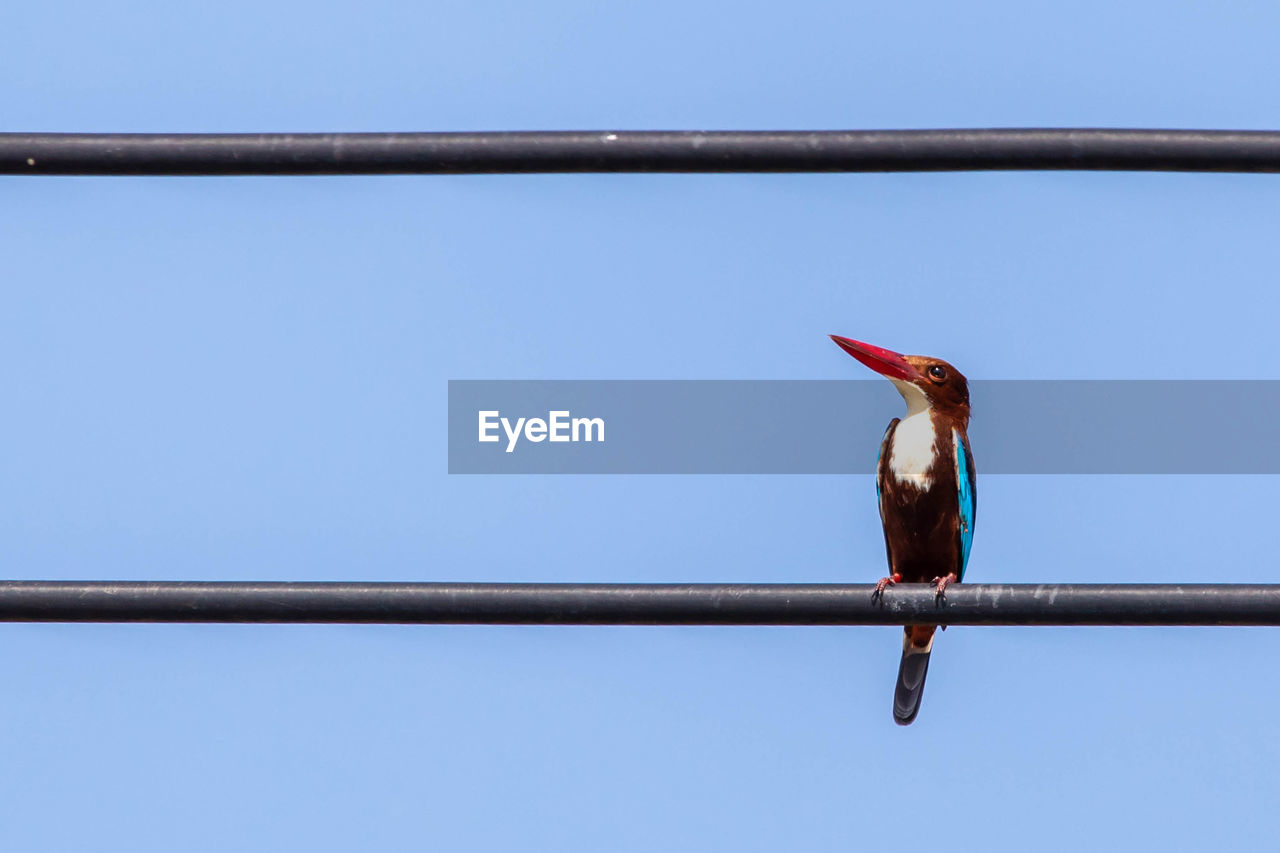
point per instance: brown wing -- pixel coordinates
(882, 472)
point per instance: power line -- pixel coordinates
(638, 151)
(638, 604)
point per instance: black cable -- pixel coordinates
(637, 151)
(639, 604)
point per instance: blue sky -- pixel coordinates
(245, 378)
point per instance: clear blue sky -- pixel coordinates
(245, 378)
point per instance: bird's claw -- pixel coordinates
(942, 583)
(885, 583)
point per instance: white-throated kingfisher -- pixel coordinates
(927, 488)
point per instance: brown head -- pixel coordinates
(924, 382)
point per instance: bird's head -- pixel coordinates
(922, 381)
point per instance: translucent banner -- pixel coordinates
(835, 427)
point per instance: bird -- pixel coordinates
(926, 485)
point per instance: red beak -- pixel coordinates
(886, 362)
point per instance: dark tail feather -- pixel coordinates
(911, 674)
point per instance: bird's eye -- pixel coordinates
(937, 373)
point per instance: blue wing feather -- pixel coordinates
(966, 479)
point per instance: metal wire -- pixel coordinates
(639, 604)
(638, 151)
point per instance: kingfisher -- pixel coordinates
(927, 488)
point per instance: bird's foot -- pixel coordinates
(885, 583)
(942, 584)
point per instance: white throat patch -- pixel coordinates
(914, 441)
